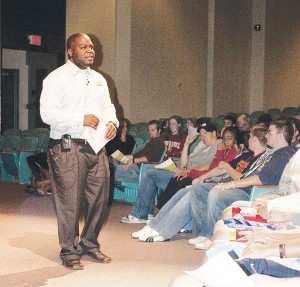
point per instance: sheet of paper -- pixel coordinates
(96, 138)
(166, 165)
(237, 247)
(119, 156)
(221, 271)
(192, 131)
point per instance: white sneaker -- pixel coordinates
(132, 219)
(151, 233)
(196, 240)
(203, 245)
(141, 232)
(158, 238)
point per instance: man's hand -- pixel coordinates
(223, 186)
(190, 139)
(91, 120)
(179, 172)
(111, 131)
(198, 180)
(260, 250)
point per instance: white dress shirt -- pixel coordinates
(68, 94)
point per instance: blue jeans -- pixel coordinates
(208, 205)
(153, 180)
(174, 215)
(131, 173)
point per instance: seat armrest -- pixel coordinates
(259, 189)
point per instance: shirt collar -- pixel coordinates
(75, 70)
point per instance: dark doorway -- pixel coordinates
(9, 99)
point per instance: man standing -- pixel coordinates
(75, 102)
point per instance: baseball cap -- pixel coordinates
(208, 126)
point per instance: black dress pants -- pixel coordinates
(173, 186)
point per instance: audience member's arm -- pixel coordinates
(229, 169)
(136, 159)
(245, 182)
(211, 173)
(266, 235)
(185, 151)
(271, 247)
(204, 166)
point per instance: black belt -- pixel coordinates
(76, 141)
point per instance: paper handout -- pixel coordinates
(221, 271)
(119, 156)
(96, 138)
(166, 165)
(192, 131)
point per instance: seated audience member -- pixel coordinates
(155, 179)
(265, 209)
(229, 121)
(123, 141)
(174, 137)
(204, 202)
(244, 125)
(152, 152)
(284, 213)
(196, 142)
(296, 137)
(289, 184)
(227, 150)
(191, 122)
(257, 213)
(177, 211)
(220, 196)
(164, 126)
(270, 259)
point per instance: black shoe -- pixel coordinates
(73, 264)
(99, 257)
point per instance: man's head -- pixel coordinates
(154, 129)
(208, 133)
(80, 50)
(258, 136)
(229, 121)
(280, 134)
(244, 122)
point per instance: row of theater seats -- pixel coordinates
(15, 147)
(139, 130)
(275, 113)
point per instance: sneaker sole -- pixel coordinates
(133, 222)
(202, 246)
